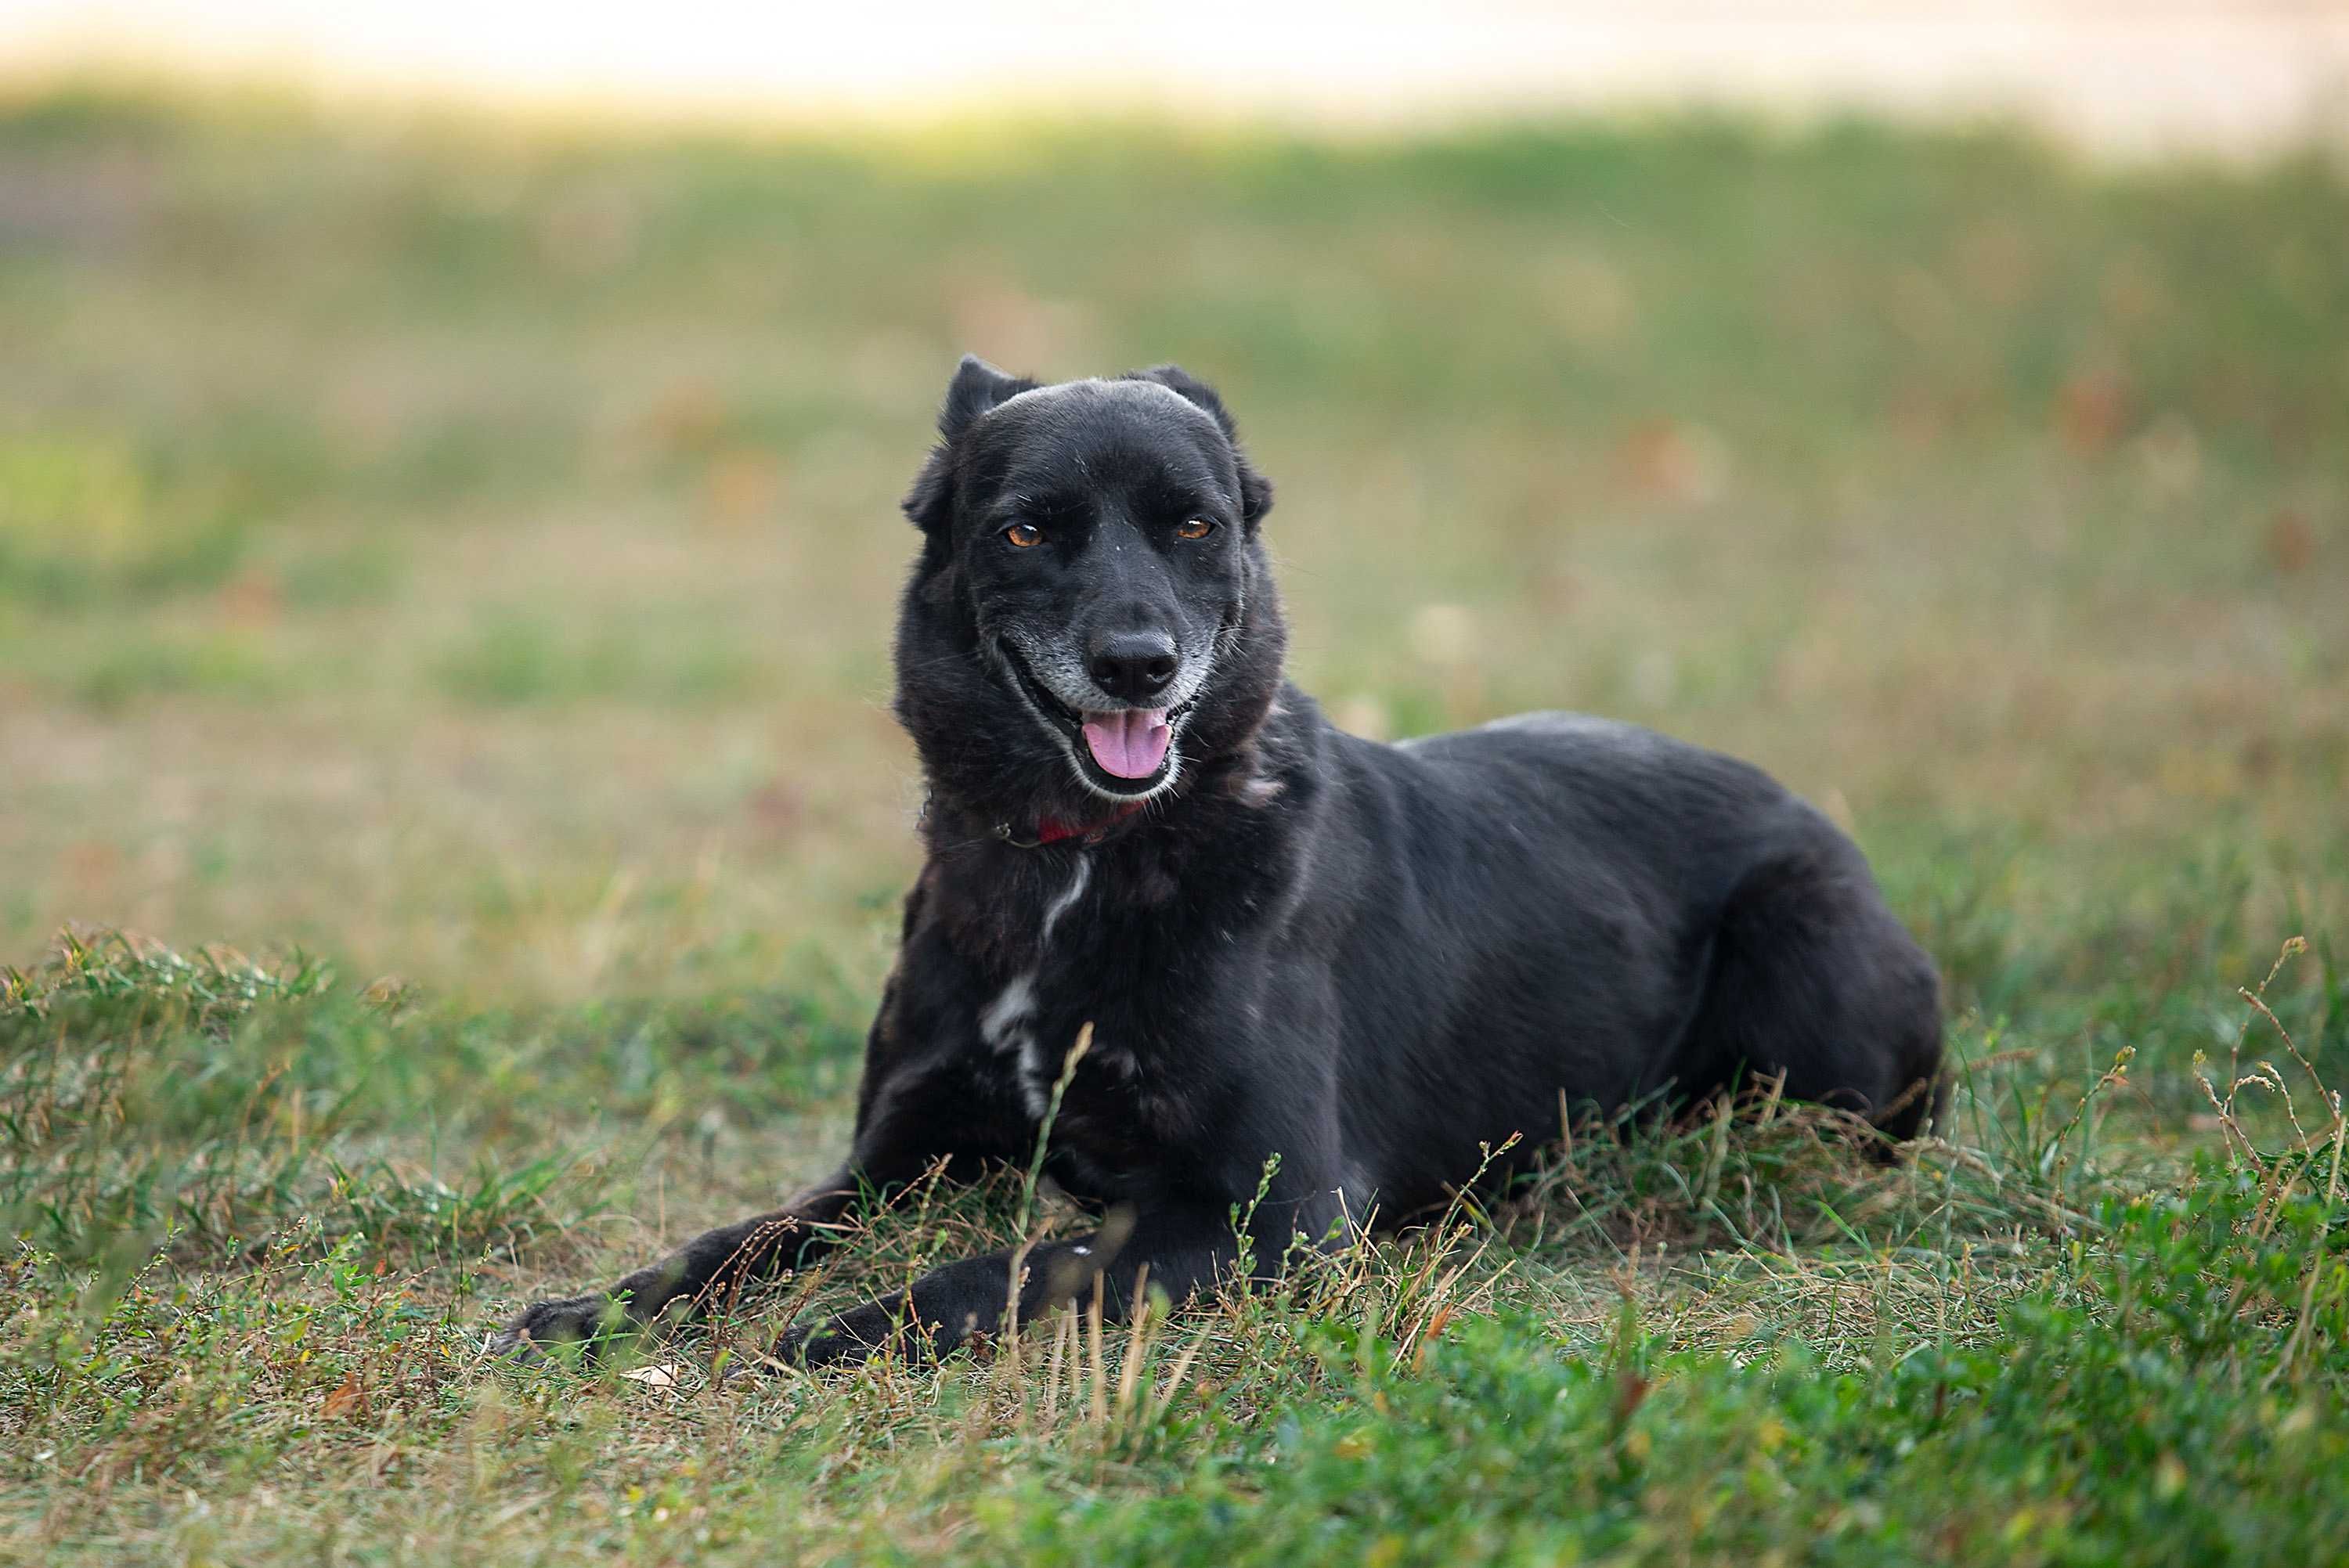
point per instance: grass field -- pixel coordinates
(445, 569)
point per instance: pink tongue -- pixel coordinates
(1128, 745)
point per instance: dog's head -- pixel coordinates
(1092, 619)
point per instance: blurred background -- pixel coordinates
(449, 455)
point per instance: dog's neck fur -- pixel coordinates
(954, 827)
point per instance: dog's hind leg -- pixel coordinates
(1814, 978)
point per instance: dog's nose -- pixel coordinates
(1131, 666)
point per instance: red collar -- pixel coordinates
(1052, 830)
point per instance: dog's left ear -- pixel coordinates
(1255, 491)
(977, 388)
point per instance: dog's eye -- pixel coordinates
(1196, 528)
(1025, 535)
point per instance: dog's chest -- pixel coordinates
(1082, 967)
(1012, 1020)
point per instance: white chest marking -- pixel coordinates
(1066, 902)
(1001, 1025)
(1006, 1023)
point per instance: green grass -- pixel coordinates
(241, 1326)
(453, 560)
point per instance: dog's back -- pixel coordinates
(1560, 904)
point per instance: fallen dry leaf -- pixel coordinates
(663, 1376)
(348, 1399)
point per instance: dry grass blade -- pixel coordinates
(1097, 1390)
(1173, 1382)
(1137, 1343)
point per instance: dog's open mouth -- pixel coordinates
(1121, 752)
(1129, 744)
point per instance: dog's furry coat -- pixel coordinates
(1370, 963)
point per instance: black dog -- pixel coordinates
(1369, 961)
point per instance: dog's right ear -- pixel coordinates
(977, 388)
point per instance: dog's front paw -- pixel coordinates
(543, 1326)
